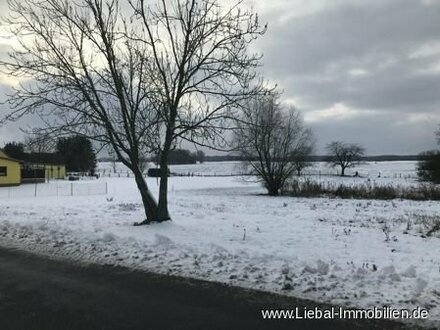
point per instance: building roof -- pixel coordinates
(4, 156)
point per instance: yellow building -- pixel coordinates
(10, 171)
(55, 171)
(42, 172)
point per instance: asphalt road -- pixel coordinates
(38, 293)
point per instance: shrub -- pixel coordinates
(309, 188)
(429, 225)
(306, 188)
(428, 168)
(429, 191)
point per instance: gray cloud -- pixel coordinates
(350, 32)
(380, 133)
(380, 58)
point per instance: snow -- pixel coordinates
(388, 169)
(223, 229)
(55, 188)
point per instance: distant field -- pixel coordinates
(391, 169)
(396, 173)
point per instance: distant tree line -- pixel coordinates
(76, 152)
(319, 158)
(183, 156)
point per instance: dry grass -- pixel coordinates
(310, 188)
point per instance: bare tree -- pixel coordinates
(39, 143)
(428, 166)
(268, 138)
(200, 156)
(344, 155)
(137, 83)
(301, 158)
(200, 69)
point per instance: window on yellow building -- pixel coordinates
(3, 171)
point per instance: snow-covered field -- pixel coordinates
(391, 170)
(327, 250)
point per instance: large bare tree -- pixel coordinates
(273, 140)
(133, 75)
(202, 70)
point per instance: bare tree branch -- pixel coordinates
(273, 141)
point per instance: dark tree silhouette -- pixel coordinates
(15, 150)
(77, 153)
(428, 167)
(200, 156)
(344, 155)
(301, 159)
(181, 156)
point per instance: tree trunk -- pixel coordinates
(273, 189)
(150, 204)
(163, 214)
(342, 171)
(273, 192)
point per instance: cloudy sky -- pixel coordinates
(360, 71)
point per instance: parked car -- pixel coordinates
(73, 176)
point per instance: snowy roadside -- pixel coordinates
(327, 250)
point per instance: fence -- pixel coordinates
(323, 173)
(361, 173)
(306, 172)
(55, 189)
(372, 170)
(117, 174)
